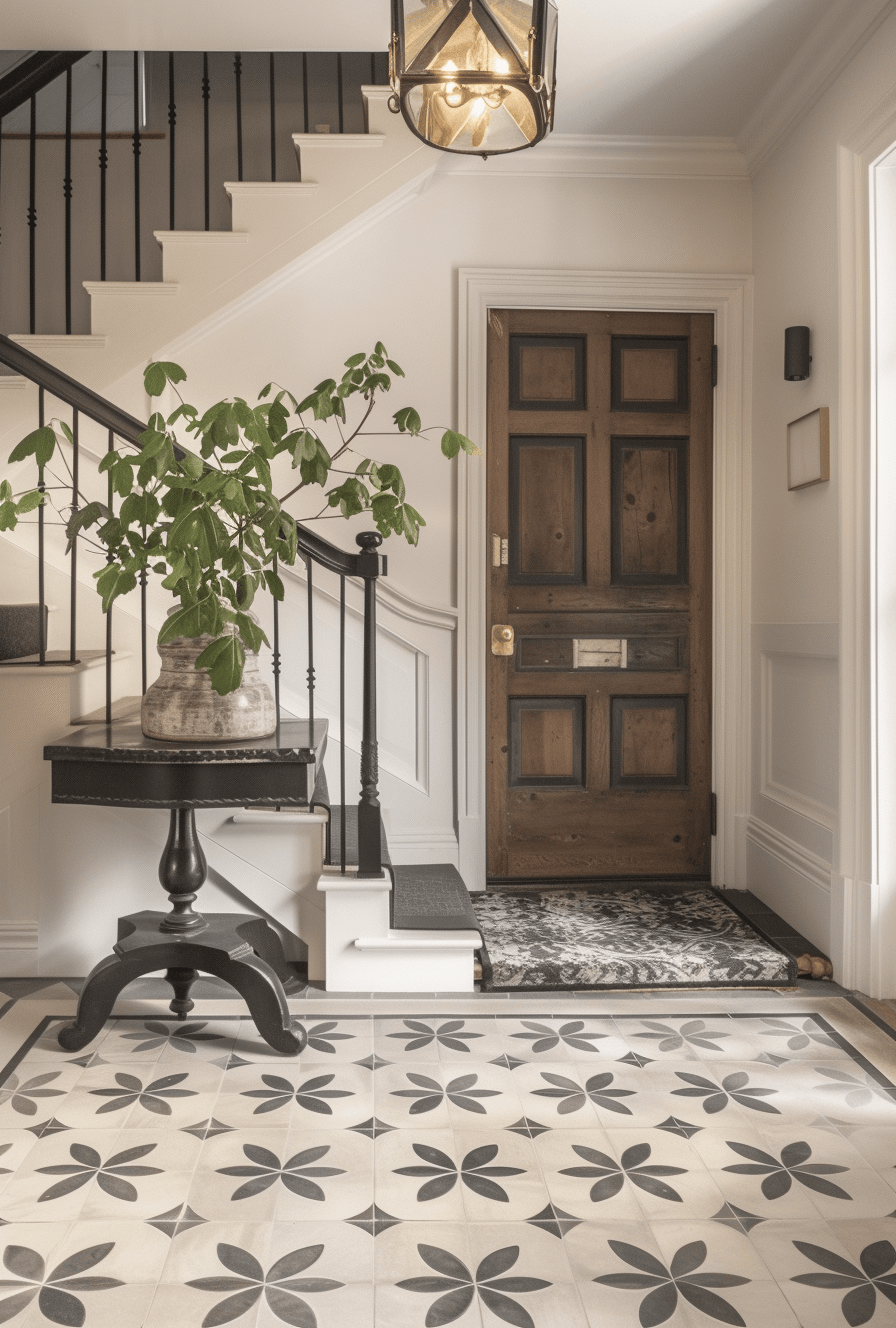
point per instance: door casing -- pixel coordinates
(729, 297)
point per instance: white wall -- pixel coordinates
(793, 834)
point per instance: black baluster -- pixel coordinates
(172, 122)
(136, 165)
(143, 630)
(276, 651)
(339, 92)
(110, 498)
(67, 192)
(372, 67)
(73, 611)
(32, 217)
(238, 77)
(41, 587)
(305, 88)
(342, 722)
(273, 117)
(104, 160)
(206, 95)
(310, 643)
(370, 862)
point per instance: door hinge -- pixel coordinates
(713, 813)
(715, 366)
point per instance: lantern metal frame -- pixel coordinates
(537, 84)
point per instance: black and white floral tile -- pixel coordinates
(621, 1164)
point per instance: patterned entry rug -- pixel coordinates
(603, 1161)
(636, 937)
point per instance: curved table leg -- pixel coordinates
(261, 989)
(98, 996)
(222, 950)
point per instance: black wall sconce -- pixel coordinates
(796, 354)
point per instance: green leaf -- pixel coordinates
(354, 360)
(224, 660)
(122, 479)
(160, 372)
(8, 518)
(185, 409)
(40, 444)
(250, 631)
(396, 368)
(154, 380)
(109, 460)
(275, 585)
(87, 516)
(192, 465)
(408, 420)
(112, 581)
(29, 501)
(186, 622)
(453, 442)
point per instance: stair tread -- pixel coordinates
(431, 897)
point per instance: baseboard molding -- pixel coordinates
(412, 847)
(18, 949)
(791, 854)
(18, 935)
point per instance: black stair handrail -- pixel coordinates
(369, 565)
(32, 74)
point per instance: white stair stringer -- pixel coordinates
(363, 953)
(348, 180)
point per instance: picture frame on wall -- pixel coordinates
(809, 449)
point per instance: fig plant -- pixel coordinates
(208, 520)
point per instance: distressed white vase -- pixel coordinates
(181, 705)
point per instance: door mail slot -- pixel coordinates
(599, 653)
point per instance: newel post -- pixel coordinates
(370, 566)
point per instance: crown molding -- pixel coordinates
(825, 53)
(598, 155)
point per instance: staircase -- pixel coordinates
(362, 923)
(347, 181)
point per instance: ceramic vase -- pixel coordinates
(182, 706)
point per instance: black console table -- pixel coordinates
(114, 765)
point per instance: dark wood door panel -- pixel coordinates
(600, 476)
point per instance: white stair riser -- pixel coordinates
(277, 867)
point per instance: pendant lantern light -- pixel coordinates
(474, 76)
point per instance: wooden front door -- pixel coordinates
(599, 520)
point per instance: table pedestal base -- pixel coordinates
(241, 949)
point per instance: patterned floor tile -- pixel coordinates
(584, 1174)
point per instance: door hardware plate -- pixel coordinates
(502, 639)
(599, 653)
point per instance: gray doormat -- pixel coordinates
(641, 936)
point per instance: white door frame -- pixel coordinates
(729, 297)
(863, 914)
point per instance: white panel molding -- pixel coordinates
(863, 931)
(391, 597)
(791, 798)
(422, 846)
(790, 853)
(598, 155)
(729, 298)
(826, 51)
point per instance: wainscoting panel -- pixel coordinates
(790, 831)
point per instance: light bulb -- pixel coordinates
(503, 66)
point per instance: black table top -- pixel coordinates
(296, 742)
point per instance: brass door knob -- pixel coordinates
(502, 639)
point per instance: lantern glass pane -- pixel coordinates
(550, 45)
(422, 19)
(470, 49)
(515, 17)
(488, 118)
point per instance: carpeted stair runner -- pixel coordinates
(425, 897)
(644, 936)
